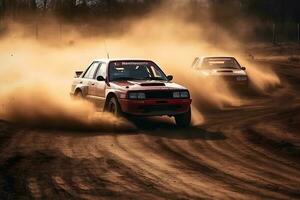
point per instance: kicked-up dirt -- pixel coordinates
(246, 152)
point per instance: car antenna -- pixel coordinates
(107, 53)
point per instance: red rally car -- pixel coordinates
(133, 87)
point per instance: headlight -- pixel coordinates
(184, 94)
(241, 72)
(181, 94)
(141, 95)
(176, 94)
(136, 95)
(132, 95)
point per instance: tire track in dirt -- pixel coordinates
(183, 172)
(242, 160)
(213, 159)
(149, 165)
(222, 159)
(218, 179)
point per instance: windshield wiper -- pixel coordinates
(131, 78)
(155, 78)
(124, 78)
(228, 67)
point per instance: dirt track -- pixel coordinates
(251, 152)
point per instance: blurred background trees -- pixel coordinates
(267, 10)
(263, 19)
(75, 8)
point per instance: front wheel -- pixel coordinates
(183, 120)
(114, 107)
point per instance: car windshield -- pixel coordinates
(220, 63)
(135, 70)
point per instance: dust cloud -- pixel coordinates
(262, 77)
(39, 108)
(36, 74)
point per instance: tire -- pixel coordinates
(114, 107)
(184, 120)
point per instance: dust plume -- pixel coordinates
(37, 73)
(38, 107)
(262, 78)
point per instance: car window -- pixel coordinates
(91, 71)
(219, 63)
(135, 70)
(156, 73)
(101, 70)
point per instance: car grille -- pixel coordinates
(153, 108)
(159, 94)
(231, 78)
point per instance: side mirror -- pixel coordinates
(100, 78)
(243, 68)
(170, 77)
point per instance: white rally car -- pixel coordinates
(228, 68)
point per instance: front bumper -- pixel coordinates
(155, 107)
(232, 81)
(236, 80)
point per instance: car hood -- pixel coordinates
(146, 85)
(222, 72)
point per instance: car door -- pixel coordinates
(99, 86)
(88, 80)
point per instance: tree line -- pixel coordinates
(268, 10)
(279, 18)
(75, 8)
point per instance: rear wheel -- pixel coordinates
(114, 107)
(184, 120)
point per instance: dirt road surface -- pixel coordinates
(249, 152)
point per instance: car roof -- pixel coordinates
(107, 60)
(220, 57)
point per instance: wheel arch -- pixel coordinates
(82, 89)
(77, 90)
(108, 97)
